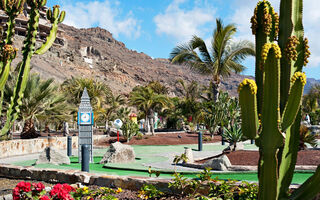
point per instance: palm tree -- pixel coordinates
(147, 101)
(42, 100)
(98, 91)
(225, 56)
(190, 105)
(158, 88)
(108, 110)
(310, 102)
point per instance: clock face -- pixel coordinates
(85, 117)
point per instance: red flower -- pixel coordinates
(61, 192)
(38, 186)
(44, 198)
(68, 188)
(24, 186)
(16, 193)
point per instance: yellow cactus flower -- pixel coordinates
(290, 49)
(306, 52)
(299, 76)
(250, 83)
(266, 48)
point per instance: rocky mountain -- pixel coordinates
(94, 53)
(310, 83)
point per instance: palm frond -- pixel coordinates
(198, 43)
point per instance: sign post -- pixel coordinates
(85, 123)
(118, 123)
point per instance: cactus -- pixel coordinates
(12, 8)
(270, 106)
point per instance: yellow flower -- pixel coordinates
(250, 83)
(299, 76)
(119, 190)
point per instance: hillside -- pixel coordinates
(96, 54)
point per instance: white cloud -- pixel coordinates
(102, 14)
(311, 18)
(182, 23)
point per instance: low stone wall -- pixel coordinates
(29, 146)
(76, 176)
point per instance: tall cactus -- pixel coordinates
(13, 8)
(270, 107)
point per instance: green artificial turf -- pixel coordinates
(298, 178)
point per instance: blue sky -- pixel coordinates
(155, 27)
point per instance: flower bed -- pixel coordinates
(36, 191)
(204, 187)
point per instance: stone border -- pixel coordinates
(76, 176)
(29, 146)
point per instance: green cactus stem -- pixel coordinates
(55, 19)
(12, 8)
(264, 24)
(24, 69)
(8, 53)
(270, 119)
(280, 84)
(28, 50)
(294, 101)
(290, 34)
(248, 103)
(309, 189)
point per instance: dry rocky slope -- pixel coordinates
(94, 53)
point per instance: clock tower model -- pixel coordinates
(85, 123)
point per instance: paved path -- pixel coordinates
(158, 157)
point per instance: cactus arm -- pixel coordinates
(55, 19)
(261, 38)
(27, 51)
(294, 100)
(50, 40)
(12, 9)
(10, 30)
(4, 75)
(265, 28)
(290, 26)
(286, 28)
(248, 104)
(290, 115)
(289, 157)
(7, 55)
(309, 189)
(270, 118)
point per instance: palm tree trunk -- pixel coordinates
(107, 125)
(152, 125)
(147, 126)
(46, 128)
(215, 90)
(28, 130)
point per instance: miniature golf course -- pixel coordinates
(160, 159)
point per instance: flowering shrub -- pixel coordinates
(24, 190)
(61, 192)
(36, 191)
(100, 193)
